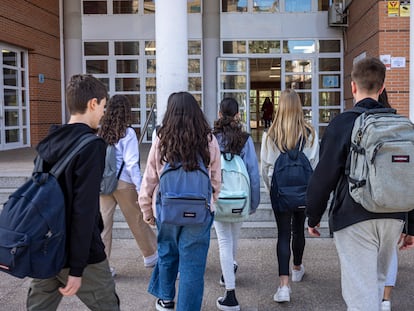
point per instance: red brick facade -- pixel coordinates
(372, 31)
(34, 25)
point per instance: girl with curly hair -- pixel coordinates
(185, 137)
(116, 130)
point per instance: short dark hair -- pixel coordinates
(369, 74)
(82, 88)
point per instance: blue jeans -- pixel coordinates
(184, 249)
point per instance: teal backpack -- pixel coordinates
(233, 204)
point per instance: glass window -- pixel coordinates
(194, 84)
(95, 48)
(10, 97)
(306, 99)
(234, 5)
(149, 6)
(10, 76)
(150, 84)
(125, 6)
(194, 6)
(105, 81)
(234, 47)
(329, 64)
(96, 66)
(329, 98)
(127, 66)
(329, 81)
(194, 47)
(298, 5)
(9, 58)
(134, 100)
(233, 66)
(301, 65)
(94, 7)
(323, 5)
(193, 66)
(151, 99)
(299, 46)
(12, 136)
(329, 46)
(326, 115)
(151, 66)
(126, 48)
(11, 118)
(298, 82)
(264, 47)
(126, 84)
(233, 82)
(150, 48)
(266, 6)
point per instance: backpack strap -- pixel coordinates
(120, 170)
(60, 165)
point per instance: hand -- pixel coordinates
(72, 286)
(406, 241)
(314, 232)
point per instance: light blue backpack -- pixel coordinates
(233, 204)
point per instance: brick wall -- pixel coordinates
(34, 25)
(372, 31)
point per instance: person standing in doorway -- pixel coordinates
(267, 111)
(288, 130)
(116, 130)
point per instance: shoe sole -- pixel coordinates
(283, 299)
(226, 308)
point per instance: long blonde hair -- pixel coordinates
(289, 125)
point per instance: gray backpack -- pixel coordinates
(381, 161)
(110, 175)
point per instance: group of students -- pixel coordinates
(185, 136)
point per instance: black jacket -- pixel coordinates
(80, 184)
(330, 172)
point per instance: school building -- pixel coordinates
(145, 49)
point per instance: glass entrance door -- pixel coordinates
(233, 81)
(14, 114)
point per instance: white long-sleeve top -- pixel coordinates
(269, 153)
(127, 150)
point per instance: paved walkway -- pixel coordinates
(256, 278)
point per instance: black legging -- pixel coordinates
(288, 224)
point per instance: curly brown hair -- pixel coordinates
(230, 127)
(185, 133)
(116, 119)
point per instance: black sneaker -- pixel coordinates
(229, 302)
(162, 305)
(235, 266)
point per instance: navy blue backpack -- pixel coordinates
(33, 222)
(291, 174)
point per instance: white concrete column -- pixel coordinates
(172, 50)
(211, 51)
(72, 25)
(411, 69)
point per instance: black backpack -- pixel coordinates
(291, 174)
(33, 222)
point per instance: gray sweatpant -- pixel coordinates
(365, 250)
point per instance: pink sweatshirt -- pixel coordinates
(153, 170)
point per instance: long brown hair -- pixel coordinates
(185, 133)
(289, 125)
(116, 119)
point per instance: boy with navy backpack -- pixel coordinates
(86, 270)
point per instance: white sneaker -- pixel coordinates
(282, 294)
(386, 305)
(113, 272)
(297, 275)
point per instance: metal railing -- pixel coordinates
(151, 118)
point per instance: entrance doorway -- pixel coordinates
(265, 77)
